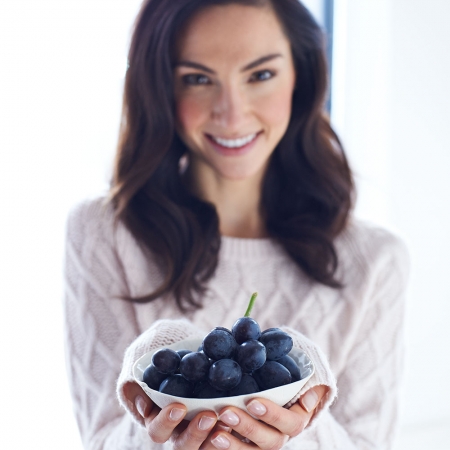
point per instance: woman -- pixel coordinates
(229, 179)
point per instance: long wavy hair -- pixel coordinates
(308, 188)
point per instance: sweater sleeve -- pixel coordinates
(365, 415)
(99, 326)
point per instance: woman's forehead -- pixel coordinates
(235, 31)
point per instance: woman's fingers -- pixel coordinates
(312, 398)
(168, 424)
(255, 431)
(222, 440)
(137, 397)
(284, 420)
(196, 432)
(161, 426)
(290, 421)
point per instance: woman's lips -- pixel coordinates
(232, 151)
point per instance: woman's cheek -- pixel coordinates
(190, 113)
(275, 109)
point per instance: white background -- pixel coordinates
(391, 97)
(61, 73)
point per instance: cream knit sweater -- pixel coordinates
(354, 335)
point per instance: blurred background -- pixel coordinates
(62, 70)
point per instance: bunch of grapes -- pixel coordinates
(239, 361)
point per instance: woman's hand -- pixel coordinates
(274, 427)
(168, 424)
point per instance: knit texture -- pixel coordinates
(354, 335)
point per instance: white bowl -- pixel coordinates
(280, 395)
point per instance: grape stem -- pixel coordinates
(250, 305)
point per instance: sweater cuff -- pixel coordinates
(161, 334)
(322, 374)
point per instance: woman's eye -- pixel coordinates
(195, 79)
(262, 75)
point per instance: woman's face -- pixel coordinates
(234, 80)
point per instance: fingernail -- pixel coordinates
(141, 405)
(176, 414)
(256, 408)
(206, 423)
(309, 400)
(229, 417)
(220, 442)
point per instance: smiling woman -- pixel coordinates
(228, 179)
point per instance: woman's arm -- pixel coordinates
(100, 326)
(367, 404)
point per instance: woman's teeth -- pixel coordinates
(234, 143)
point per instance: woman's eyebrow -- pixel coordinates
(194, 65)
(260, 61)
(252, 65)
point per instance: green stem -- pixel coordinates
(250, 305)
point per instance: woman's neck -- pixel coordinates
(237, 203)
(239, 212)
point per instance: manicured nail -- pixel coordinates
(141, 406)
(220, 442)
(229, 417)
(176, 414)
(206, 423)
(256, 408)
(309, 400)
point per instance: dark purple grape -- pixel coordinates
(290, 365)
(248, 385)
(153, 378)
(278, 343)
(219, 344)
(195, 366)
(166, 360)
(204, 390)
(272, 375)
(183, 352)
(251, 355)
(177, 385)
(270, 329)
(225, 374)
(223, 329)
(245, 329)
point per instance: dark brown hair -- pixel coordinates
(308, 188)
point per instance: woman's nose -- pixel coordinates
(229, 107)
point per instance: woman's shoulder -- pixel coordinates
(97, 211)
(98, 238)
(371, 238)
(91, 220)
(368, 247)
